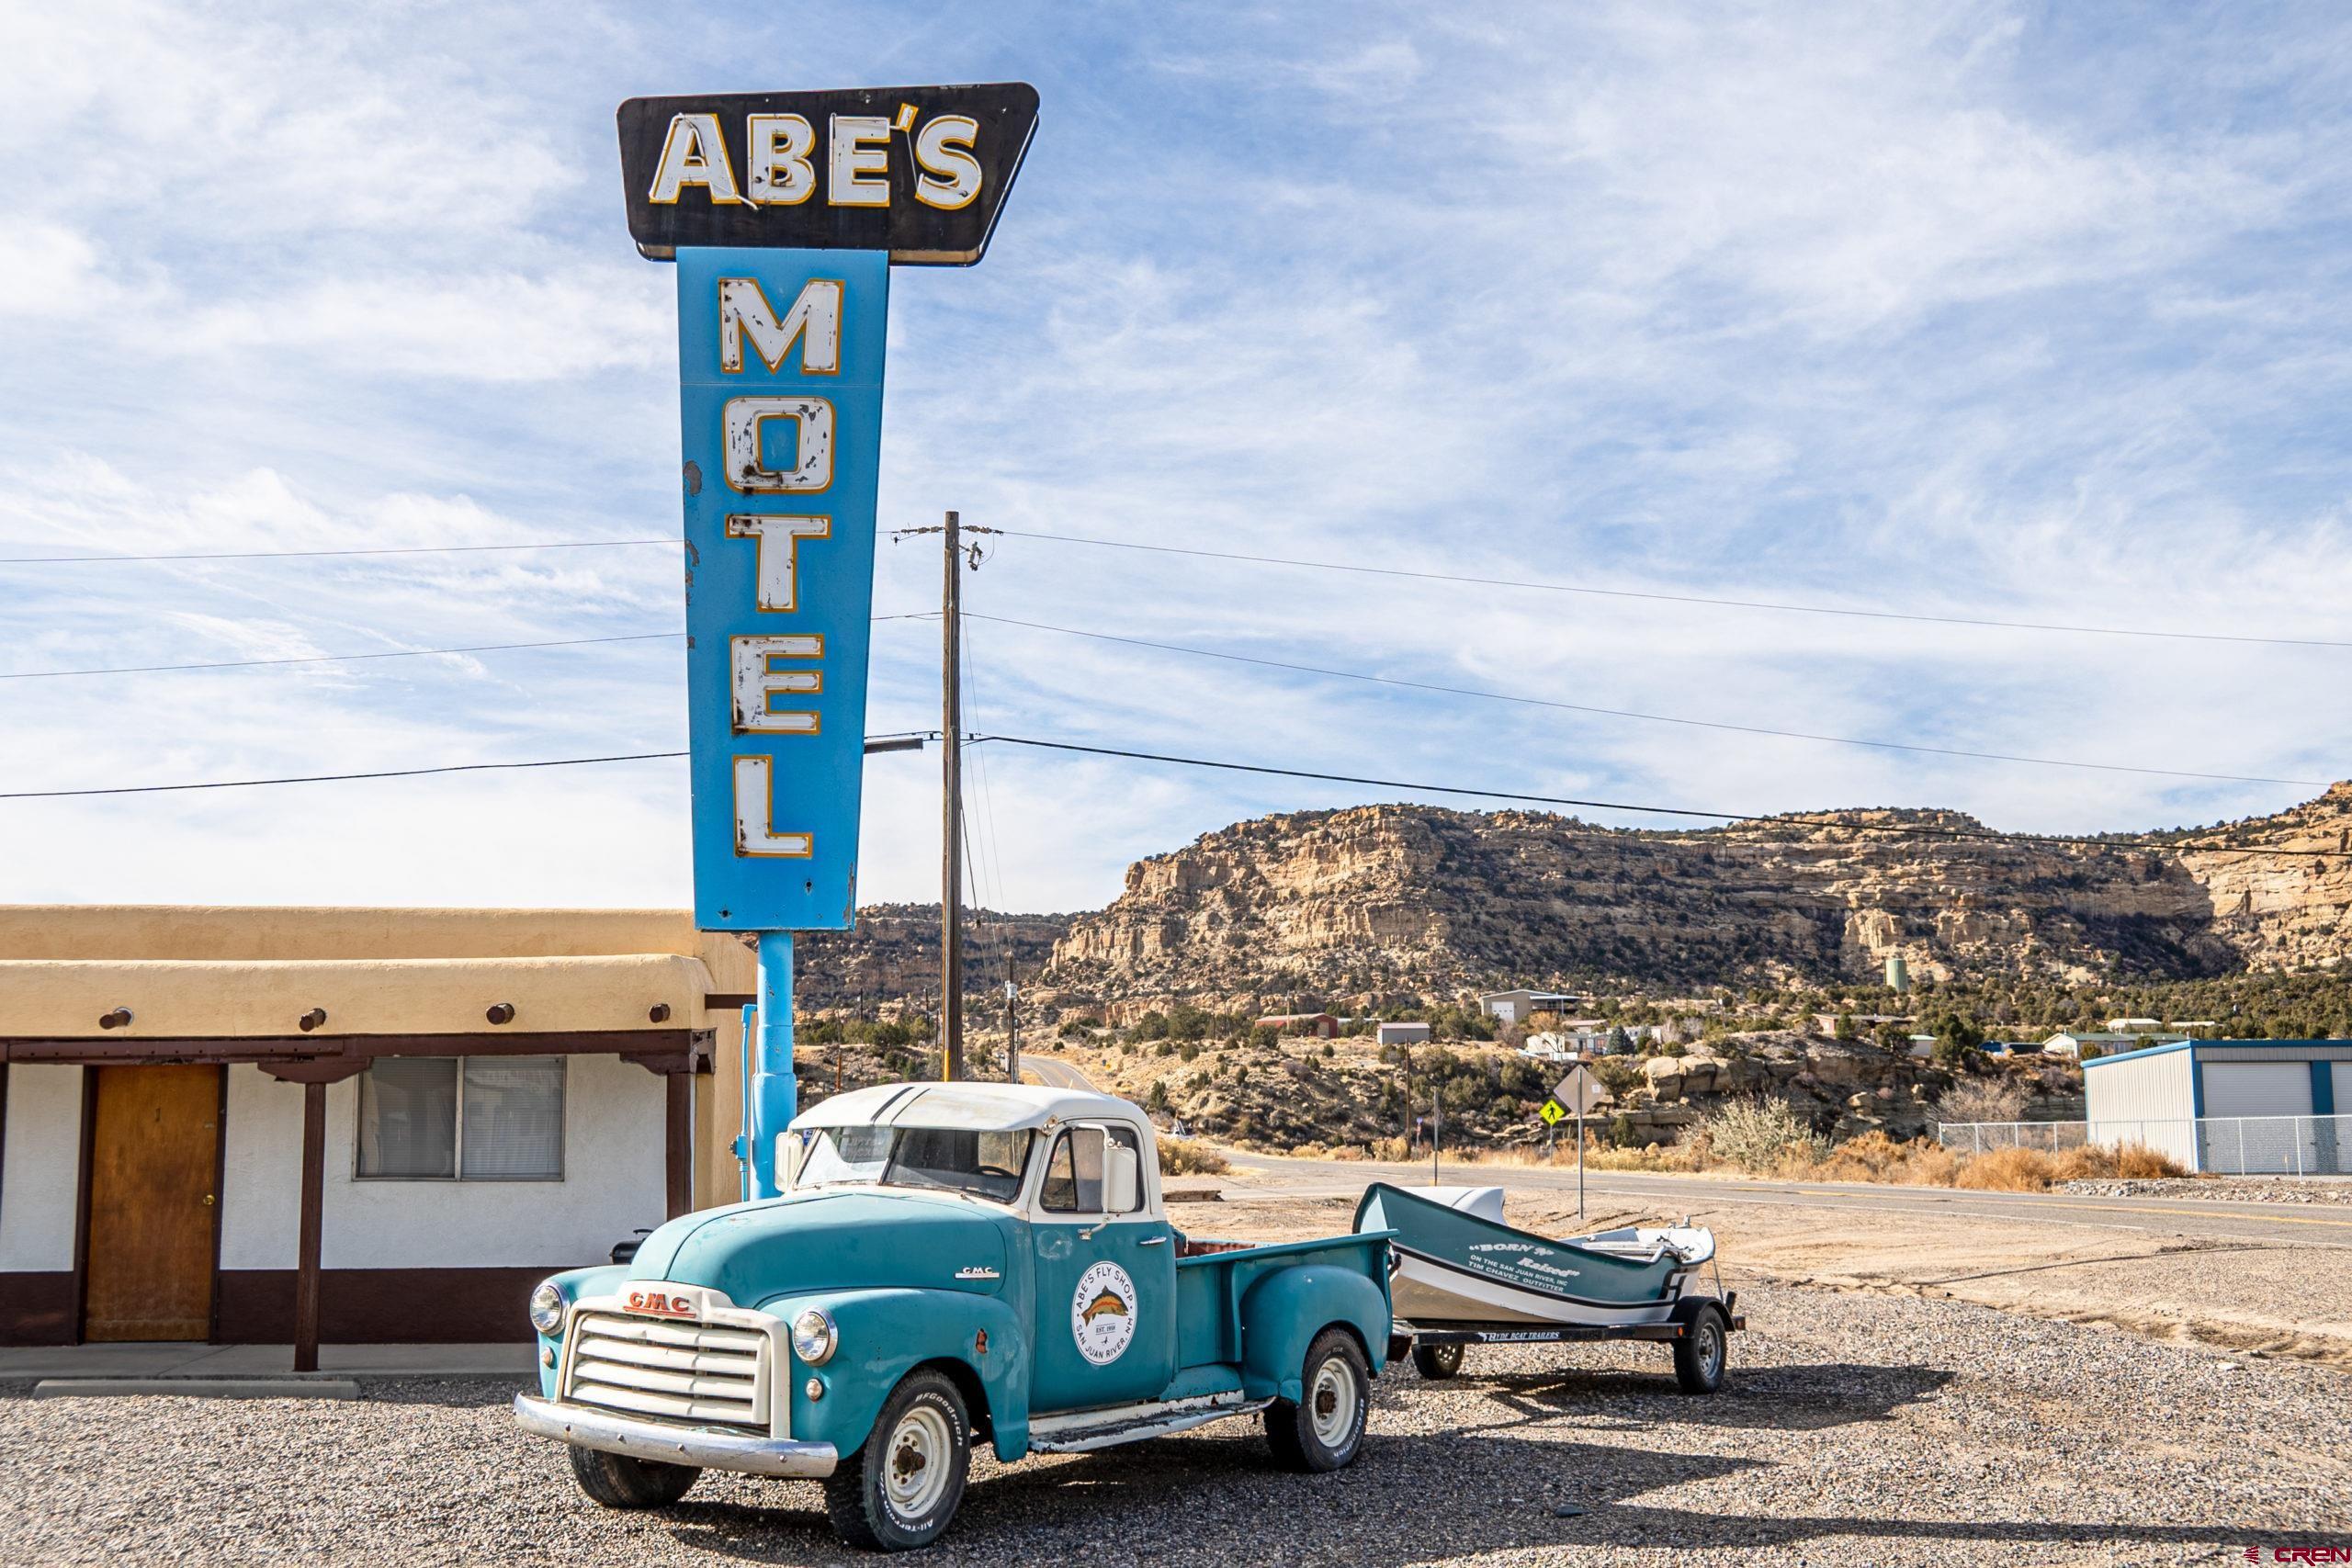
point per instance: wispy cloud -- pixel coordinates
(1973, 308)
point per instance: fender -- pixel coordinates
(1284, 1311)
(604, 1279)
(884, 1335)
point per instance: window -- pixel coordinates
(987, 1165)
(1073, 1183)
(465, 1119)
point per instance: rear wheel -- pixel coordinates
(902, 1486)
(1700, 1355)
(619, 1480)
(1323, 1429)
(1437, 1361)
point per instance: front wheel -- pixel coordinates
(1323, 1430)
(1437, 1362)
(1702, 1353)
(621, 1480)
(904, 1482)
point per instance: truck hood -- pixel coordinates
(850, 1239)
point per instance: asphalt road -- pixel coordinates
(2281, 1223)
(1054, 1073)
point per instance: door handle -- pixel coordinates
(1153, 1241)
(207, 1200)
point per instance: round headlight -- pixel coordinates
(547, 1309)
(813, 1337)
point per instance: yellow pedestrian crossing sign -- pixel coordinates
(1552, 1114)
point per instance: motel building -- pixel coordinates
(295, 1126)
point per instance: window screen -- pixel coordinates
(514, 1118)
(408, 1117)
(1074, 1177)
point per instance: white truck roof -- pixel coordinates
(980, 1107)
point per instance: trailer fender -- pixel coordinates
(1283, 1312)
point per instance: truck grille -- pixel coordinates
(700, 1374)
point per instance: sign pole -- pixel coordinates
(951, 794)
(1579, 1156)
(775, 1096)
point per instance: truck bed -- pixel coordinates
(1213, 1276)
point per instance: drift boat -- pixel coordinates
(1461, 1275)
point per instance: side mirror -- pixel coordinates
(1122, 1183)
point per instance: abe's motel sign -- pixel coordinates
(920, 173)
(785, 212)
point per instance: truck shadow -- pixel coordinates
(1407, 1499)
(1429, 1483)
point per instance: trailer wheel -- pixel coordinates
(902, 1486)
(1323, 1429)
(1703, 1351)
(1437, 1362)
(621, 1480)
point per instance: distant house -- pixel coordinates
(2133, 1025)
(1323, 1024)
(1403, 1032)
(2071, 1043)
(1518, 1007)
(1547, 1046)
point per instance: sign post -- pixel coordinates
(784, 213)
(1579, 1091)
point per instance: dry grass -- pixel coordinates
(1188, 1156)
(2031, 1170)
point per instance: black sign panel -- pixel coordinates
(919, 171)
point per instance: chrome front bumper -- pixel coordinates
(703, 1446)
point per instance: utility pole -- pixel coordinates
(951, 827)
(1012, 1031)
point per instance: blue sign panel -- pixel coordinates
(780, 389)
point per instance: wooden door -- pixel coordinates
(154, 1160)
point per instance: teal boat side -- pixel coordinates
(1518, 1259)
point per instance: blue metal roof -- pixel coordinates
(2194, 1045)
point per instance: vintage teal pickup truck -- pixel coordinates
(948, 1262)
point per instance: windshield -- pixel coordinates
(987, 1165)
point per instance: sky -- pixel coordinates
(1977, 311)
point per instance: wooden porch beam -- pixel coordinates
(306, 1259)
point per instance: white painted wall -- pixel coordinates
(44, 1155)
(2148, 1099)
(613, 1183)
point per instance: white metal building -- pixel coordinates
(2261, 1106)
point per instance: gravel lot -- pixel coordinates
(2220, 1189)
(1858, 1429)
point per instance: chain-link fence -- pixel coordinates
(2226, 1146)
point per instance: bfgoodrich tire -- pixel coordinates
(617, 1481)
(902, 1486)
(1703, 1351)
(1437, 1362)
(1323, 1429)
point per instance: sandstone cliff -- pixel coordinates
(1421, 898)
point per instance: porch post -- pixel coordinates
(678, 1140)
(306, 1264)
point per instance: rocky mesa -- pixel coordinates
(1395, 898)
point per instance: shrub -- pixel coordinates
(1761, 1136)
(2141, 1163)
(2007, 1170)
(1187, 1156)
(1189, 1050)
(1394, 1151)
(1983, 1100)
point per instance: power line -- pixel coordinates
(340, 778)
(1538, 586)
(375, 550)
(1899, 829)
(1648, 717)
(391, 653)
(1915, 830)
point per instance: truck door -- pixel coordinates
(1105, 1327)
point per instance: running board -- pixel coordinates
(1085, 1429)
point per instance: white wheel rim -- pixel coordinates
(915, 1473)
(1332, 1404)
